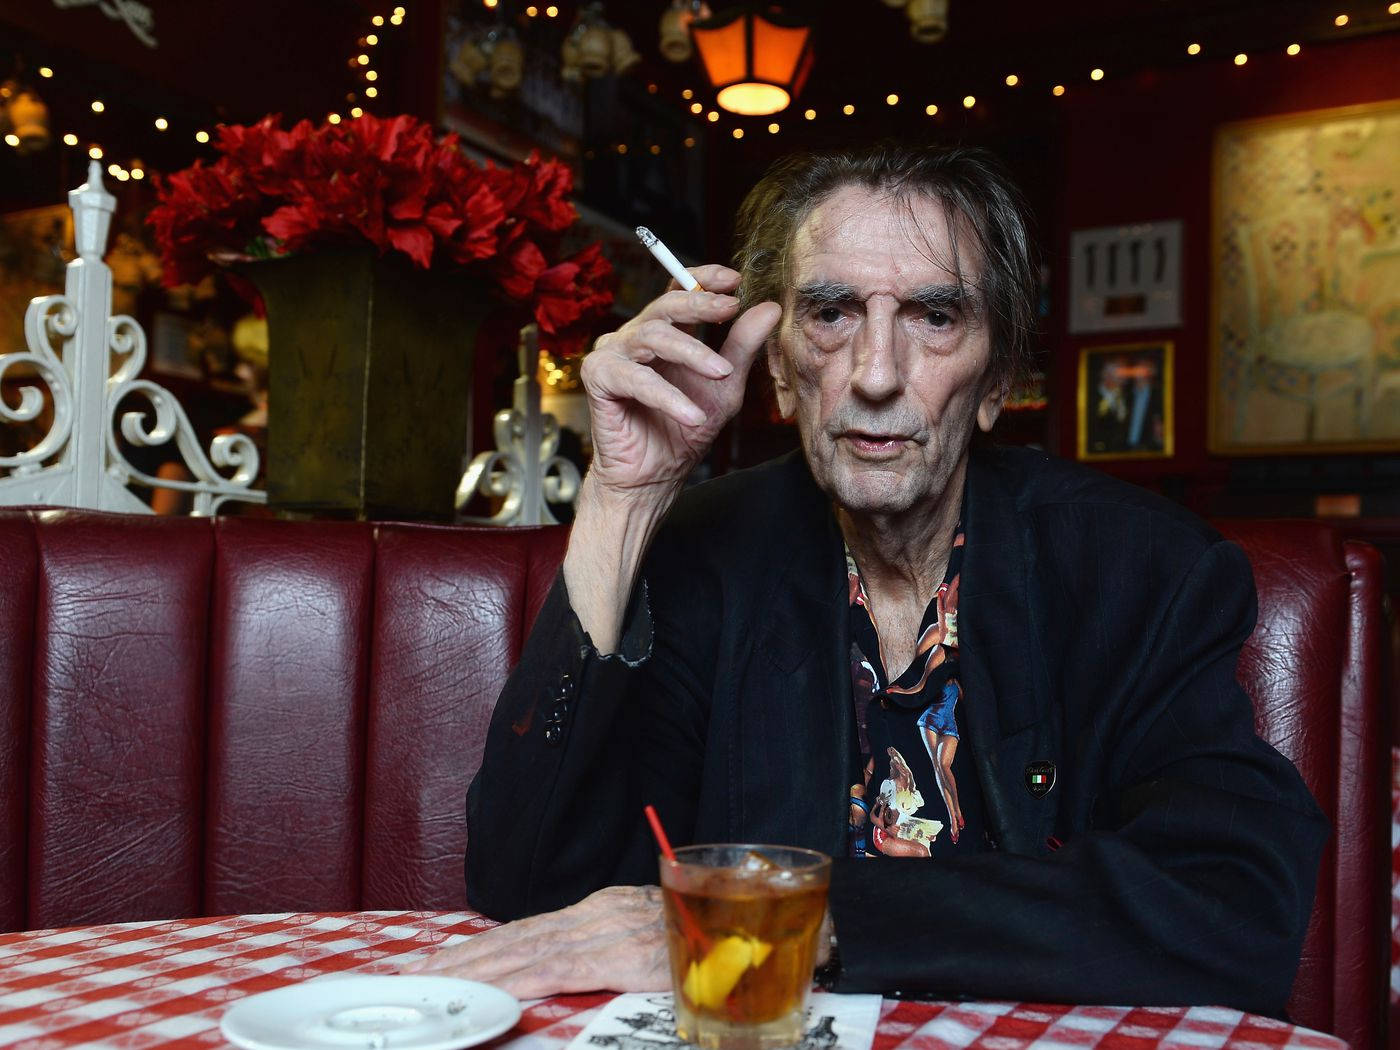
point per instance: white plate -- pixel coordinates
(389, 1012)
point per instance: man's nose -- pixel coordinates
(877, 371)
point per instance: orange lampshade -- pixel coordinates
(757, 63)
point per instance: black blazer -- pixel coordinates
(1100, 626)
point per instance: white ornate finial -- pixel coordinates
(78, 461)
(92, 214)
(525, 471)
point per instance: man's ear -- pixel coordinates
(782, 377)
(989, 408)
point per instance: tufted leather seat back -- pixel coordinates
(205, 717)
(1314, 668)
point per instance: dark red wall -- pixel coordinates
(1140, 151)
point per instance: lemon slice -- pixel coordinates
(709, 982)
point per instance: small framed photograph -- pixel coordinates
(1125, 401)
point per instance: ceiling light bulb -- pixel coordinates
(738, 133)
(1293, 49)
(1057, 90)
(362, 59)
(45, 72)
(891, 99)
(773, 129)
(1012, 80)
(97, 106)
(689, 142)
(95, 153)
(552, 11)
(655, 149)
(201, 136)
(371, 74)
(532, 10)
(811, 114)
(687, 94)
(396, 20)
(357, 113)
(969, 101)
(1241, 59)
(371, 40)
(70, 139)
(695, 108)
(1193, 49)
(848, 109)
(399, 12)
(334, 118)
(112, 169)
(1394, 8)
(622, 148)
(379, 19)
(371, 92)
(1341, 20)
(138, 173)
(162, 123)
(12, 139)
(1096, 73)
(931, 110)
(712, 116)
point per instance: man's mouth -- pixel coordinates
(874, 446)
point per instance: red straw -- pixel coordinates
(659, 832)
(692, 929)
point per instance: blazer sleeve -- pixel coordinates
(578, 744)
(1194, 886)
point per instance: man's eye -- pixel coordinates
(938, 319)
(829, 314)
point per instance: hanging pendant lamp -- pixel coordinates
(756, 62)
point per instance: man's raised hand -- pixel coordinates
(658, 396)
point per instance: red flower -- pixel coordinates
(391, 184)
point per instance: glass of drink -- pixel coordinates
(741, 927)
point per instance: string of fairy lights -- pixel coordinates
(738, 127)
(367, 87)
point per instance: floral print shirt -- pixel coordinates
(919, 796)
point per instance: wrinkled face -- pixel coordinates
(880, 356)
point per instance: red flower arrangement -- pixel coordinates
(393, 185)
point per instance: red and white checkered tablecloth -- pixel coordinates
(166, 984)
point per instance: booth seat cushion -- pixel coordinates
(237, 715)
(205, 717)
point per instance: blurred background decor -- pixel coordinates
(1124, 404)
(1306, 344)
(377, 248)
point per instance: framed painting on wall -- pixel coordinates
(1124, 403)
(1305, 247)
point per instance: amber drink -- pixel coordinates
(741, 926)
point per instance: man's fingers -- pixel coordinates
(679, 307)
(662, 340)
(644, 385)
(713, 277)
(748, 334)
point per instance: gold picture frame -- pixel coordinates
(1124, 404)
(1305, 283)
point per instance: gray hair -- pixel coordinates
(978, 199)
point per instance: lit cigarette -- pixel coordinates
(663, 255)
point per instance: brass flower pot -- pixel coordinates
(369, 377)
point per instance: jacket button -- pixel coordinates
(553, 734)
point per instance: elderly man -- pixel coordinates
(1013, 674)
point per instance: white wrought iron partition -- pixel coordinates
(78, 462)
(525, 471)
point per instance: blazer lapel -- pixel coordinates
(1002, 658)
(799, 675)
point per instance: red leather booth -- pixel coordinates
(209, 717)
